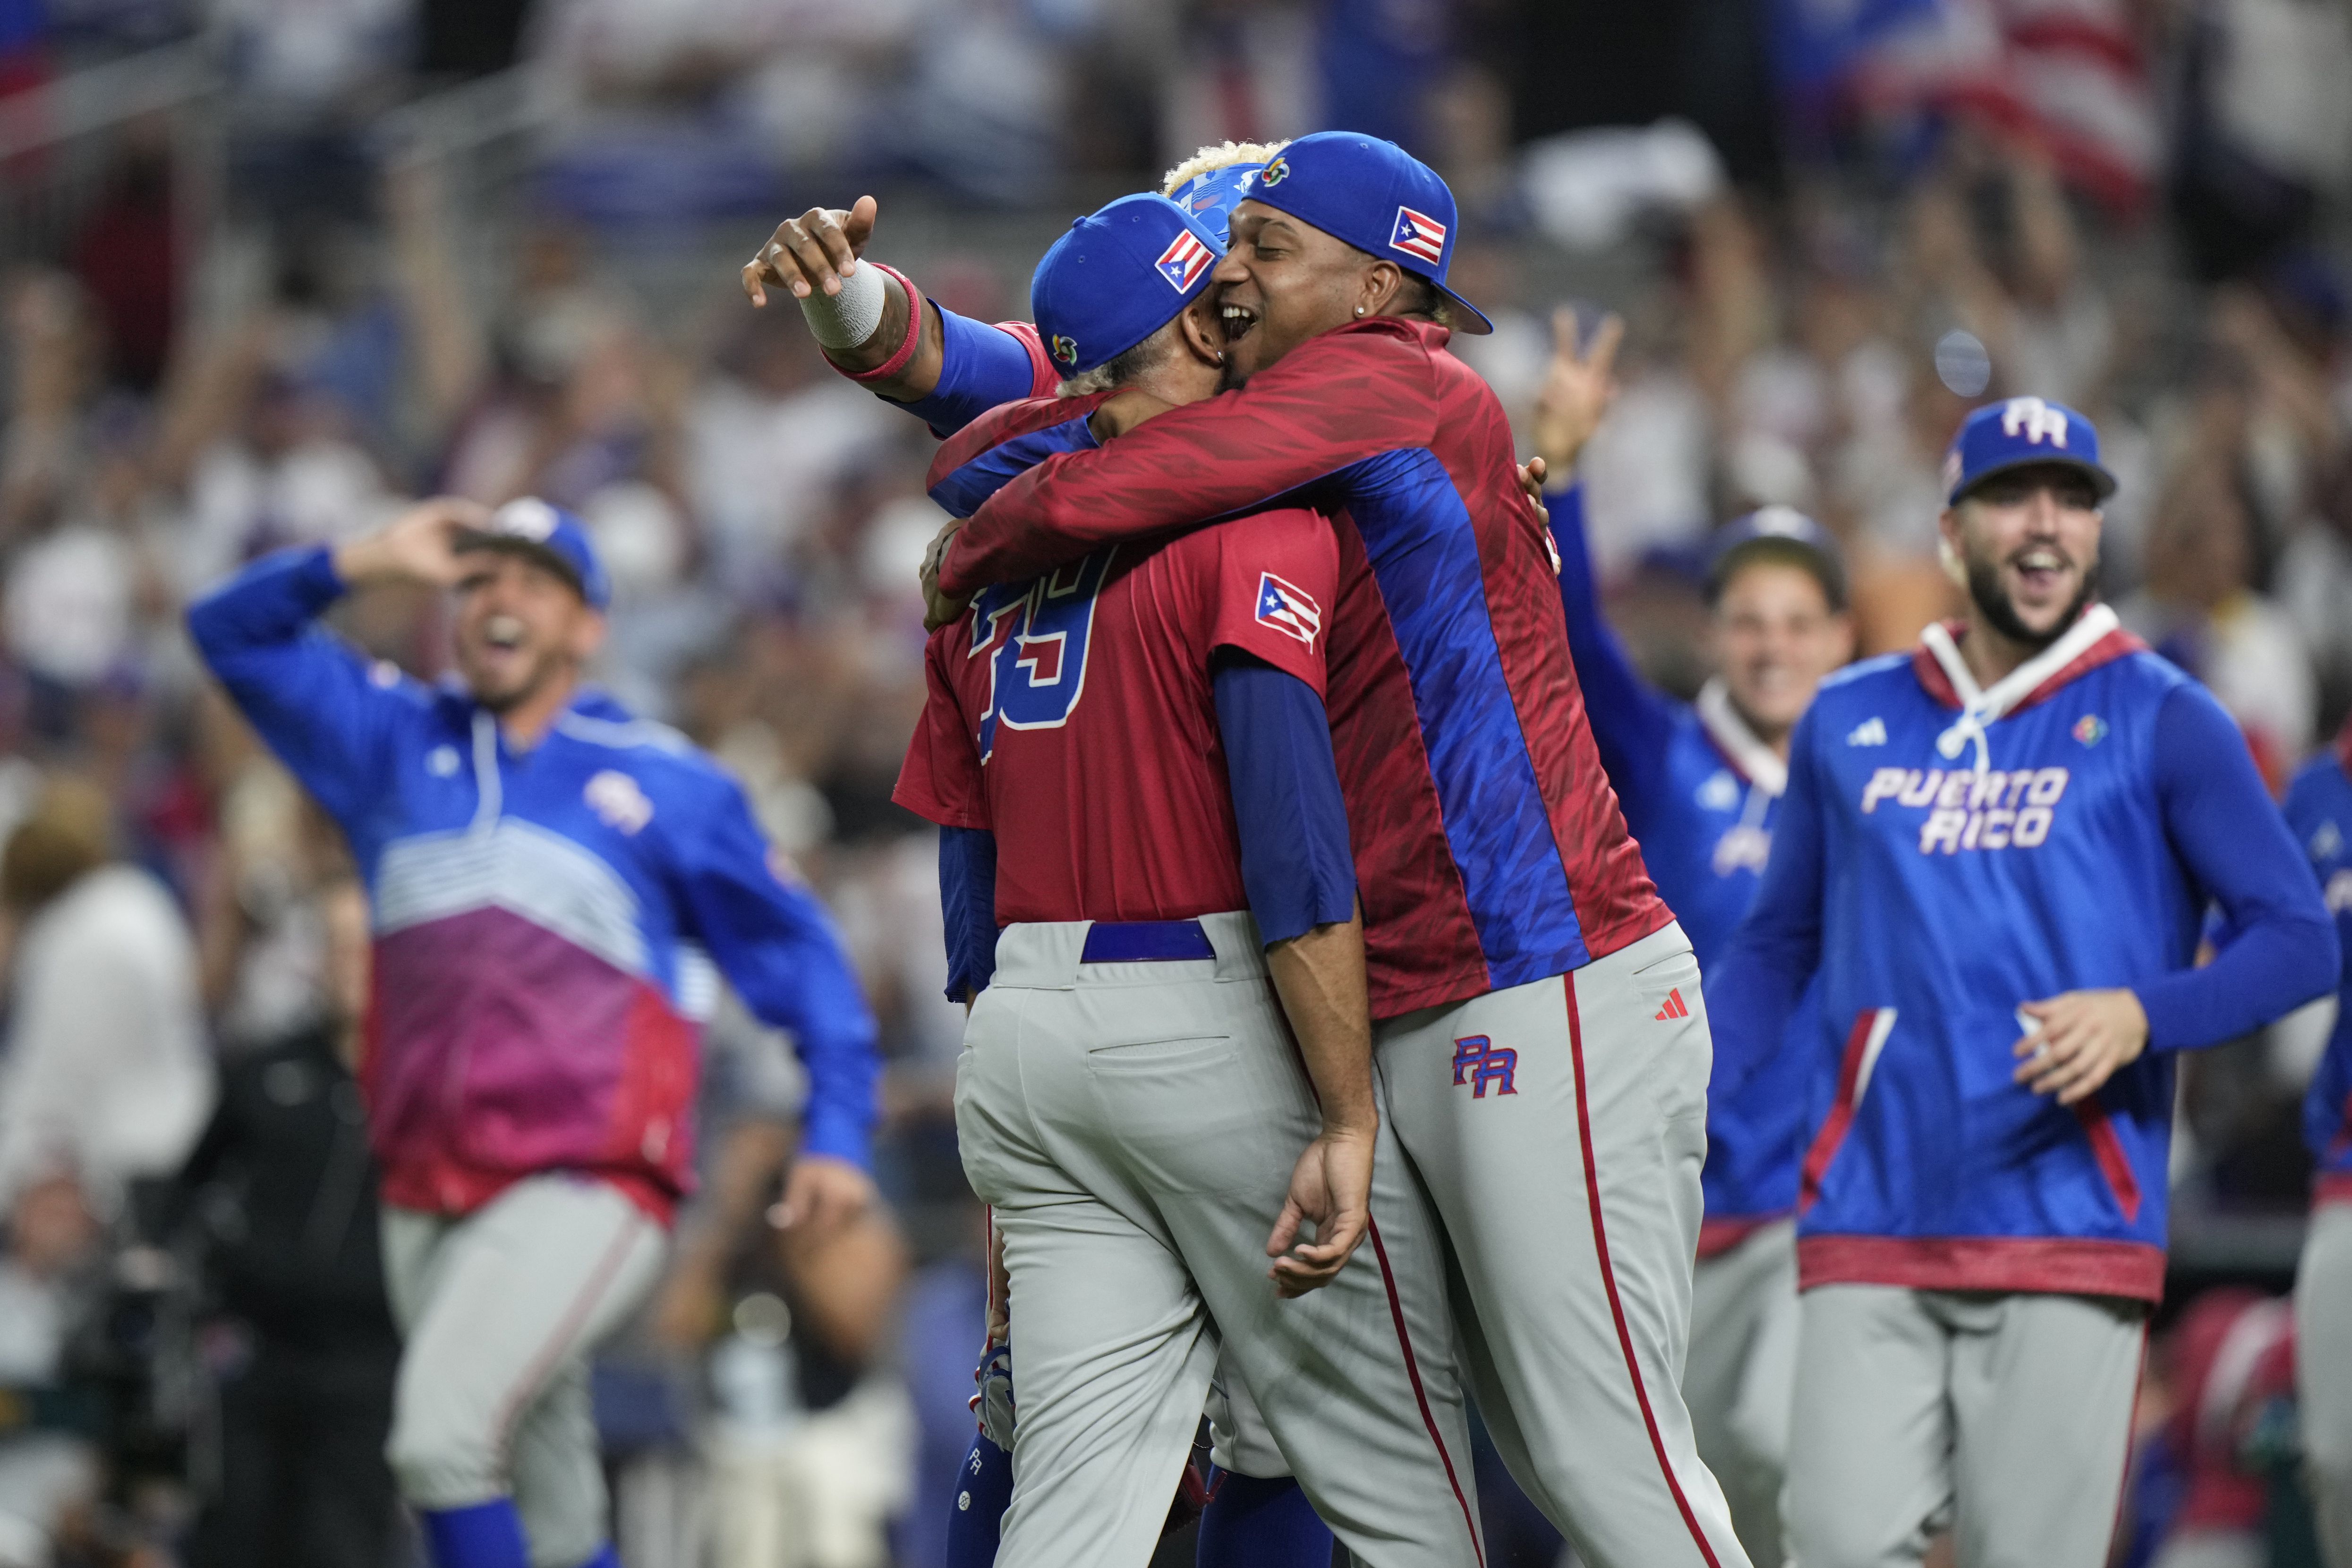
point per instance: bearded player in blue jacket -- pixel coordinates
(1701, 784)
(1996, 852)
(2319, 811)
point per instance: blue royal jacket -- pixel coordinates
(550, 925)
(1945, 855)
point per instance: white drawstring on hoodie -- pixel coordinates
(1983, 706)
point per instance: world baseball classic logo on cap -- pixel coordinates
(1065, 348)
(1419, 235)
(1287, 608)
(1184, 260)
(1273, 173)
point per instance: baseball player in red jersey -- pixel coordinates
(1132, 750)
(1540, 1027)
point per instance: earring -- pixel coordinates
(1360, 310)
(1221, 356)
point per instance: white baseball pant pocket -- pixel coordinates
(499, 1310)
(1560, 1127)
(2322, 1374)
(2008, 1415)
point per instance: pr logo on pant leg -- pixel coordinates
(1481, 1064)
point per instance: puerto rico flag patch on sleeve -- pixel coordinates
(1287, 608)
(1420, 236)
(1184, 260)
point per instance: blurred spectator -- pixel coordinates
(107, 1077)
(2229, 1366)
(2199, 610)
(306, 1354)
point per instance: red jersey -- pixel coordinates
(1489, 847)
(1074, 715)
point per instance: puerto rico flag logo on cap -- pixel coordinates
(1065, 348)
(1287, 608)
(1184, 260)
(1420, 236)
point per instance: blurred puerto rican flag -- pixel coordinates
(2070, 74)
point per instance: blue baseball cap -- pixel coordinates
(2017, 432)
(1781, 531)
(1212, 196)
(1375, 196)
(1117, 276)
(552, 536)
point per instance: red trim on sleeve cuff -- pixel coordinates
(2331, 1187)
(896, 361)
(2052, 1264)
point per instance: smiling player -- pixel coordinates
(1525, 978)
(550, 882)
(1131, 753)
(1996, 853)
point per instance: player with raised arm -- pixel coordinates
(1995, 853)
(947, 371)
(879, 330)
(1131, 766)
(1539, 1022)
(551, 881)
(1701, 784)
(2319, 813)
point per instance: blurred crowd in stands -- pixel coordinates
(296, 260)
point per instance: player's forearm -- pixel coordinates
(1632, 724)
(273, 600)
(967, 907)
(798, 978)
(1196, 464)
(2220, 820)
(919, 374)
(1319, 977)
(2280, 961)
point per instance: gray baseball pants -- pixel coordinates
(1560, 1127)
(499, 1310)
(1742, 1376)
(2005, 1415)
(2322, 1374)
(1134, 1127)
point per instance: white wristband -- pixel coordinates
(846, 320)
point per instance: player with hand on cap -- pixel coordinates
(550, 881)
(1701, 784)
(1540, 1025)
(1993, 859)
(1132, 769)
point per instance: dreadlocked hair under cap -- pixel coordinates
(1208, 160)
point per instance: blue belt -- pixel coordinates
(1146, 942)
